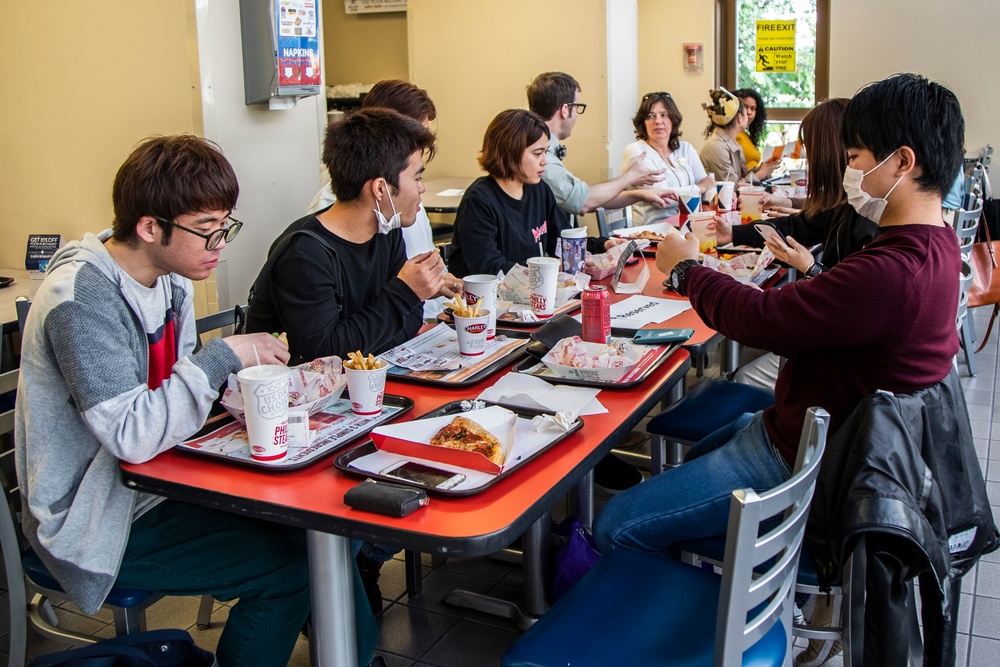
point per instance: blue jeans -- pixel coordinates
(692, 500)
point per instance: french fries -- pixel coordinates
(359, 362)
(461, 309)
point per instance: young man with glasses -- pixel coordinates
(555, 96)
(108, 374)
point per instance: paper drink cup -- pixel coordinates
(703, 226)
(690, 203)
(481, 288)
(798, 182)
(367, 389)
(750, 210)
(573, 249)
(471, 333)
(265, 402)
(543, 275)
(726, 191)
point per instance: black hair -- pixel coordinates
(909, 110)
(755, 130)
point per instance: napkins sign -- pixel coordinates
(41, 247)
(640, 282)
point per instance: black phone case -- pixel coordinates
(384, 498)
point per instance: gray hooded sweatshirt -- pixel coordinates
(83, 405)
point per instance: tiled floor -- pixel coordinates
(424, 631)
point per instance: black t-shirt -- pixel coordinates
(339, 302)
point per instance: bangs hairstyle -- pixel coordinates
(909, 110)
(372, 143)
(755, 130)
(820, 133)
(549, 91)
(401, 96)
(508, 135)
(168, 177)
(646, 107)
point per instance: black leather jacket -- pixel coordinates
(903, 471)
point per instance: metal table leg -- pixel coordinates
(331, 585)
(583, 496)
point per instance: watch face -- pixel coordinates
(675, 279)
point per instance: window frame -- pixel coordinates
(726, 66)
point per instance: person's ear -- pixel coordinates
(907, 161)
(148, 229)
(377, 187)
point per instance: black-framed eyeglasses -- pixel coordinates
(213, 239)
(661, 93)
(580, 108)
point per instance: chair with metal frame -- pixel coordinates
(666, 612)
(609, 220)
(966, 227)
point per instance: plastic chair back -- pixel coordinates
(609, 220)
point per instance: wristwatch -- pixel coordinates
(814, 270)
(678, 273)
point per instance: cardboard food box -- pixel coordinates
(607, 368)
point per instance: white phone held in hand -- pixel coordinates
(770, 234)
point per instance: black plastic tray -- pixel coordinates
(343, 462)
(534, 360)
(476, 377)
(404, 403)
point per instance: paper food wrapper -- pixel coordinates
(515, 287)
(312, 386)
(413, 439)
(580, 360)
(744, 267)
(603, 265)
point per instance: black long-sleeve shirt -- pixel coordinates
(494, 231)
(336, 303)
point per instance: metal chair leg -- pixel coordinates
(129, 621)
(414, 574)
(205, 609)
(968, 344)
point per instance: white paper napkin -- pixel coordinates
(531, 392)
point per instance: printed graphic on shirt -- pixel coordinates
(539, 231)
(162, 351)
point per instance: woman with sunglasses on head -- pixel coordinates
(722, 154)
(511, 214)
(657, 126)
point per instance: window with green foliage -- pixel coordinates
(788, 95)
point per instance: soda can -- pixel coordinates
(596, 314)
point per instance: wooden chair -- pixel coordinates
(636, 608)
(613, 219)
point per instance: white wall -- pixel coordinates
(275, 153)
(954, 42)
(623, 80)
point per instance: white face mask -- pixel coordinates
(864, 203)
(386, 226)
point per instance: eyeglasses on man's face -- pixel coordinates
(580, 108)
(212, 239)
(661, 93)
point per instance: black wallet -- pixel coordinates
(385, 498)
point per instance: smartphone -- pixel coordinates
(770, 234)
(423, 475)
(660, 336)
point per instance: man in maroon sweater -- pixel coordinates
(883, 318)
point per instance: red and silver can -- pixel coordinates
(596, 314)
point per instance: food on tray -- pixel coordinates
(358, 362)
(461, 309)
(648, 235)
(573, 352)
(464, 434)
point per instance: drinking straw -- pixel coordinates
(255, 354)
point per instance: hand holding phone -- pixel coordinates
(771, 235)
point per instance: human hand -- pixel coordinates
(794, 253)
(423, 274)
(723, 230)
(769, 202)
(613, 241)
(641, 171)
(451, 286)
(784, 210)
(658, 198)
(764, 169)
(251, 347)
(674, 249)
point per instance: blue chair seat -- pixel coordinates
(625, 612)
(707, 408)
(39, 575)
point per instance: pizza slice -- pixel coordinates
(465, 434)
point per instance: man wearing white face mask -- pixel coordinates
(339, 280)
(882, 318)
